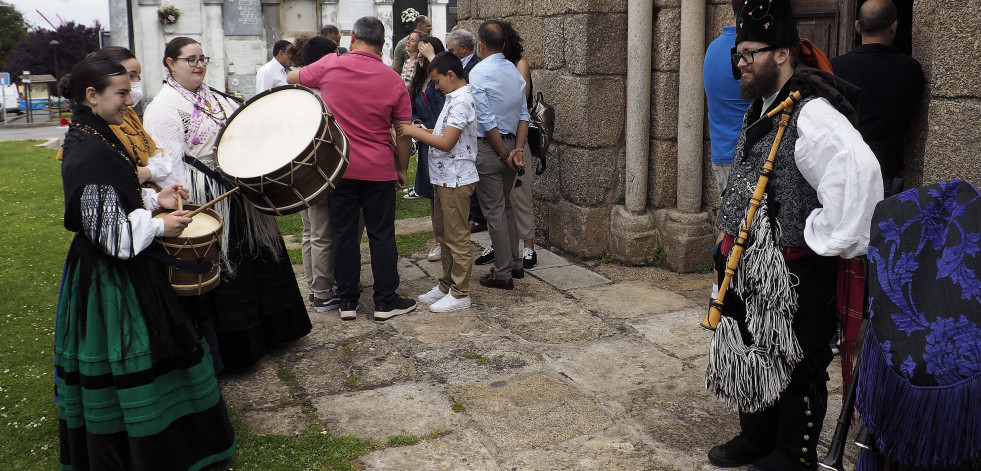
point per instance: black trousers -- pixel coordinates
(377, 201)
(476, 215)
(789, 429)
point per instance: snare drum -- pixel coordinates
(284, 149)
(196, 269)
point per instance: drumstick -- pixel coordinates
(180, 201)
(209, 203)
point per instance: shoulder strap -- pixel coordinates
(230, 97)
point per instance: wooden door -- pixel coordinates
(827, 23)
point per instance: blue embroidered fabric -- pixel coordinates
(920, 371)
(926, 302)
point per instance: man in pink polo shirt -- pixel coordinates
(366, 97)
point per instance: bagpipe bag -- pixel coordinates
(919, 390)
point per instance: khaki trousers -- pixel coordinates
(524, 202)
(318, 246)
(450, 215)
(494, 195)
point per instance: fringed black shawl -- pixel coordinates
(96, 164)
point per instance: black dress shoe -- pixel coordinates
(734, 453)
(518, 273)
(489, 281)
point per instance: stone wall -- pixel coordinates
(946, 141)
(577, 49)
(662, 191)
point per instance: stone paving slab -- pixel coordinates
(476, 359)
(286, 421)
(374, 361)
(482, 239)
(553, 322)
(548, 259)
(434, 328)
(328, 328)
(679, 413)
(413, 225)
(631, 299)
(616, 448)
(526, 291)
(570, 277)
(414, 409)
(258, 386)
(531, 410)
(677, 332)
(613, 367)
(458, 451)
(409, 271)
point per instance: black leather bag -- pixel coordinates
(540, 128)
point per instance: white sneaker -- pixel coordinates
(432, 296)
(435, 254)
(448, 303)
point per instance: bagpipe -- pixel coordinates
(785, 109)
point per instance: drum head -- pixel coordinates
(202, 224)
(269, 132)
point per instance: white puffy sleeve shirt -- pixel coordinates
(832, 156)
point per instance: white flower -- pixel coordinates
(409, 15)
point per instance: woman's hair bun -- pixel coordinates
(65, 86)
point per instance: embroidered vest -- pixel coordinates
(790, 197)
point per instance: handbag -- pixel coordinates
(540, 127)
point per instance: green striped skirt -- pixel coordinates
(119, 406)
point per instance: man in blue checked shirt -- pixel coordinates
(502, 131)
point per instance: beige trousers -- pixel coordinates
(450, 215)
(318, 250)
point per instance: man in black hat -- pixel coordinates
(770, 352)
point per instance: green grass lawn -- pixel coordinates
(33, 245)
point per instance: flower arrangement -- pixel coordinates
(409, 15)
(168, 14)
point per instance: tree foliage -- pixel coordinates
(35, 53)
(13, 28)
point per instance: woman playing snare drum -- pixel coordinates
(257, 304)
(135, 384)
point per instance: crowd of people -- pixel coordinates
(137, 364)
(122, 331)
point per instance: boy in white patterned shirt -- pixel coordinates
(453, 173)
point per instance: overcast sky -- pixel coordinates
(84, 12)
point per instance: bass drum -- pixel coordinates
(283, 149)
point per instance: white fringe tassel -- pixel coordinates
(752, 377)
(262, 228)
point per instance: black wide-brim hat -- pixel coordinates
(766, 21)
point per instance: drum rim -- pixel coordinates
(196, 241)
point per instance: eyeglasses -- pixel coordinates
(195, 60)
(747, 56)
